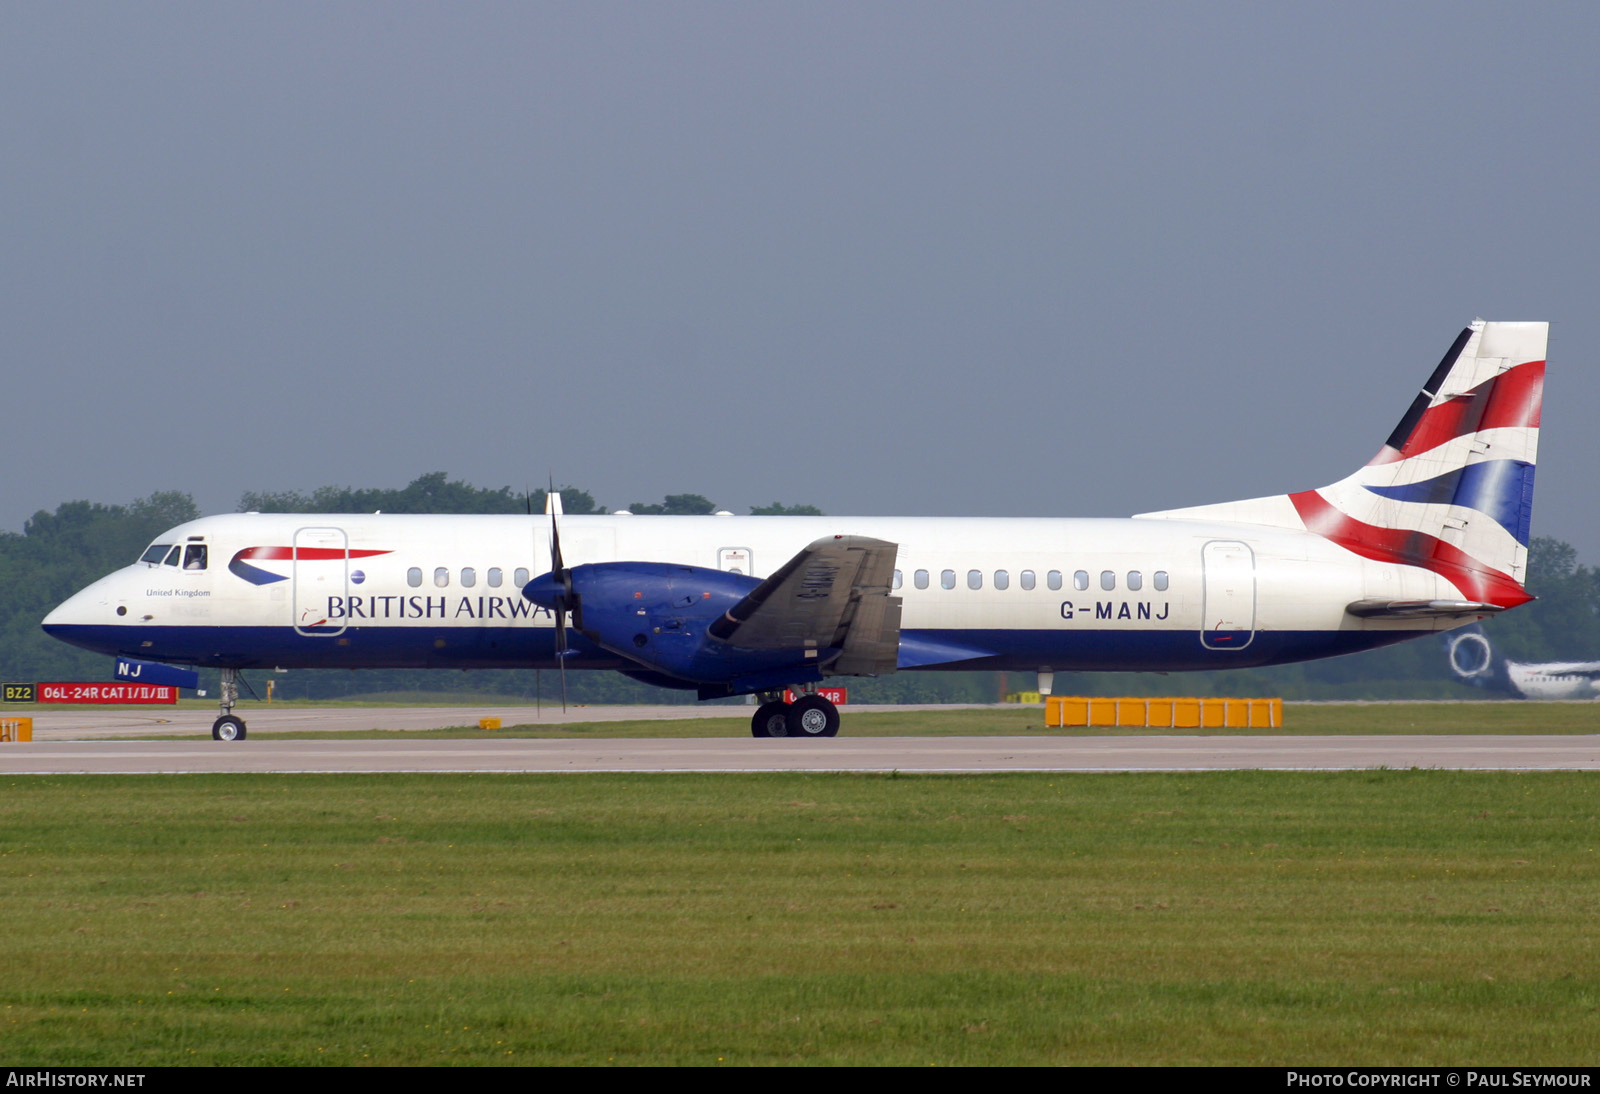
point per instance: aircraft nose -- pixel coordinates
(89, 615)
(73, 611)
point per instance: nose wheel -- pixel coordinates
(228, 727)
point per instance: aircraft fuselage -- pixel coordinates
(377, 591)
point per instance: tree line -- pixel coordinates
(59, 552)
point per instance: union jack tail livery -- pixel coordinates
(1451, 490)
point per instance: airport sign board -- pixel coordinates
(107, 693)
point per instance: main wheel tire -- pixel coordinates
(813, 716)
(771, 720)
(227, 728)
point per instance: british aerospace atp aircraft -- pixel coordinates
(1430, 535)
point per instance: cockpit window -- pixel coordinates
(172, 556)
(155, 552)
(194, 556)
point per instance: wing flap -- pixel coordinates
(834, 594)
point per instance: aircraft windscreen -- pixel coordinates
(155, 553)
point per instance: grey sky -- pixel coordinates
(1065, 259)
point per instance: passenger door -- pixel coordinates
(321, 572)
(1228, 621)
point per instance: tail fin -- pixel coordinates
(1452, 488)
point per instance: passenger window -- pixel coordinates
(1027, 579)
(897, 579)
(947, 579)
(520, 577)
(194, 556)
(1002, 580)
(974, 579)
(414, 576)
(441, 577)
(469, 577)
(1135, 580)
(154, 553)
(1080, 580)
(494, 577)
(921, 579)
(1108, 580)
(1053, 579)
(1161, 581)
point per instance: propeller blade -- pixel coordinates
(569, 600)
(566, 599)
(552, 503)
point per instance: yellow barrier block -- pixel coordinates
(1066, 710)
(488, 723)
(1163, 713)
(16, 729)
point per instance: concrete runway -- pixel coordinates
(907, 754)
(94, 740)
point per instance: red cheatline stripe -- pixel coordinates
(305, 554)
(1510, 399)
(1408, 548)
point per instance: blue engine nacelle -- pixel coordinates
(658, 614)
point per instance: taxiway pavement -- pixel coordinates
(880, 754)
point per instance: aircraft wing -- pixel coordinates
(834, 594)
(1420, 609)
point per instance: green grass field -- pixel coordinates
(1271, 918)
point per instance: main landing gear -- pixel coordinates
(807, 716)
(228, 727)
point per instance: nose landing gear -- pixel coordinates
(228, 727)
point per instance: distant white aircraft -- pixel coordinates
(1429, 535)
(1473, 661)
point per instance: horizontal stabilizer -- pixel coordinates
(1420, 609)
